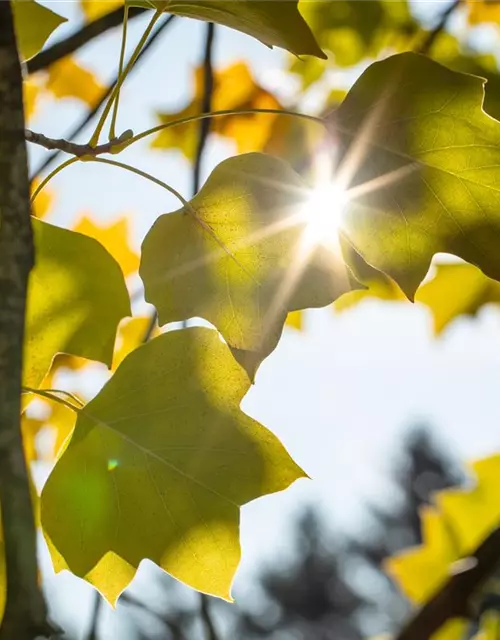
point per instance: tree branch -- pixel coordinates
(428, 43)
(80, 38)
(25, 613)
(453, 600)
(73, 148)
(206, 105)
(92, 113)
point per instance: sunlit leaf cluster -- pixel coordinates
(399, 165)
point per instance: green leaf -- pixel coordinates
(429, 165)
(273, 22)
(158, 466)
(34, 23)
(351, 31)
(457, 289)
(449, 51)
(234, 257)
(77, 296)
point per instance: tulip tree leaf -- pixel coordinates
(430, 169)
(76, 298)
(235, 89)
(273, 22)
(33, 23)
(234, 257)
(158, 466)
(456, 290)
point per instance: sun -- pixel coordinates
(323, 212)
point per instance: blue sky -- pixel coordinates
(341, 393)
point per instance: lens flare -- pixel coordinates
(322, 212)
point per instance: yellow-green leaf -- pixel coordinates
(68, 79)
(236, 257)
(483, 11)
(455, 290)
(273, 22)
(158, 466)
(114, 237)
(351, 31)
(450, 532)
(295, 319)
(77, 296)
(234, 89)
(429, 163)
(34, 23)
(93, 9)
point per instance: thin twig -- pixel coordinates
(88, 117)
(206, 105)
(94, 618)
(206, 618)
(80, 38)
(428, 43)
(172, 625)
(453, 600)
(73, 148)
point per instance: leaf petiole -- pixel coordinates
(112, 127)
(51, 175)
(114, 93)
(50, 394)
(144, 174)
(219, 114)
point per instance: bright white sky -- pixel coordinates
(341, 393)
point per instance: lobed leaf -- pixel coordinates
(457, 290)
(68, 79)
(115, 238)
(163, 444)
(34, 23)
(451, 530)
(273, 22)
(76, 298)
(236, 258)
(234, 89)
(428, 169)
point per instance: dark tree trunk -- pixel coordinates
(25, 614)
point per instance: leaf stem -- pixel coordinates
(94, 140)
(144, 174)
(49, 394)
(112, 127)
(51, 175)
(219, 114)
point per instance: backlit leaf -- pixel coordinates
(163, 444)
(295, 319)
(483, 11)
(235, 89)
(351, 31)
(34, 23)
(32, 90)
(76, 298)
(448, 51)
(273, 22)
(429, 163)
(455, 290)
(93, 9)
(237, 257)
(130, 336)
(68, 79)
(115, 238)
(450, 531)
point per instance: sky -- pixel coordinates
(339, 394)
